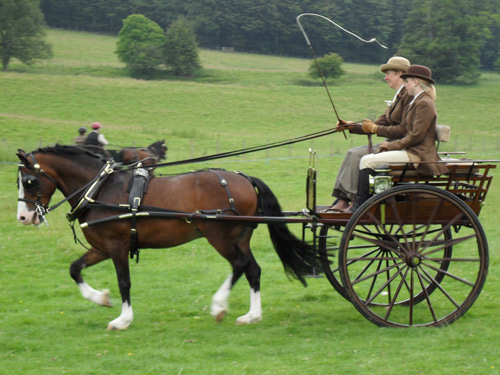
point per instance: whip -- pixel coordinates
(314, 55)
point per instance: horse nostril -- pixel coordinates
(22, 218)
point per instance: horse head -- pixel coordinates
(36, 187)
(148, 156)
(159, 149)
(41, 172)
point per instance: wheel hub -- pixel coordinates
(413, 259)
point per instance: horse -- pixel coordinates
(70, 169)
(148, 156)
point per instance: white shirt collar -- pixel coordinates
(415, 97)
(391, 102)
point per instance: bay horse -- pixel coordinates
(68, 169)
(148, 156)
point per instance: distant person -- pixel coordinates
(95, 138)
(80, 139)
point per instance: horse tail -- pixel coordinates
(298, 258)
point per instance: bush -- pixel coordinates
(181, 49)
(140, 44)
(330, 65)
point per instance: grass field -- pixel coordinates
(239, 100)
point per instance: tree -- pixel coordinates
(22, 32)
(330, 66)
(140, 44)
(446, 36)
(181, 49)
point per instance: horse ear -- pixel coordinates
(21, 154)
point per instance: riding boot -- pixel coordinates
(363, 188)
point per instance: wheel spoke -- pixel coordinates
(398, 290)
(452, 300)
(378, 272)
(377, 242)
(384, 285)
(432, 217)
(424, 289)
(372, 260)
(449, 274)
(390, 235)
(444, 228)
(448, 243)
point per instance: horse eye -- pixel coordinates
(29, 181)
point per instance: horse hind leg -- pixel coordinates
(90, 258)
(242, 263)
(252, 273)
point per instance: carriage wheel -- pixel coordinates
(401, 267)
(328, 248)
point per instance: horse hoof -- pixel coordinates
(114, 328)
(247, 319)
(220, 316)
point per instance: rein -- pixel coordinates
(247, 150)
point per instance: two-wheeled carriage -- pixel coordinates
(414, 254)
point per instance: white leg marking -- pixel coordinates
(255, 313)
(101, 298)
(124, 320)
(219, 300)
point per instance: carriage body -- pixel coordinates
(414, 254)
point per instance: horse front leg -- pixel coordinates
(90, 258)
(123, 273)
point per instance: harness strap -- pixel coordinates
(223, 182)
(89, 194)
(137, 189)
(77, 240)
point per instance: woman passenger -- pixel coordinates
(346, 184)
(417, 145)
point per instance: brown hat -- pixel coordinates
(419, 71)
(396, 63)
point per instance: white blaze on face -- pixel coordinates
(24, 215)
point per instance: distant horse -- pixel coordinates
(150, 155)
(70, 168)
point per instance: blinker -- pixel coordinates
(29, 181)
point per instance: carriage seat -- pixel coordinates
(443, 133)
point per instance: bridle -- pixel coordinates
(31, 182)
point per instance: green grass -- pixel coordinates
(240, 100)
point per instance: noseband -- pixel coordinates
(31, 182)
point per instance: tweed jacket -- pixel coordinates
(420, 138)
(393, 117)
(394, 114)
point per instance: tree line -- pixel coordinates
(269, 26)
(455, 38)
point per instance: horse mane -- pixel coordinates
(66, 150)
